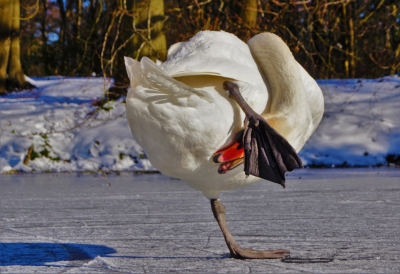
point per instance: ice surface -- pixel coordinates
(331, 220)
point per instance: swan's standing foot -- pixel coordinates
(236, 251)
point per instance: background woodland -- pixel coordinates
(331, 39)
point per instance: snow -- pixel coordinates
(361, 127)
(361, 123)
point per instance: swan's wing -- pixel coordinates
(194, 73)
(213, 53)
(147, 74)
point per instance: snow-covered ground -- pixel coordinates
(361, 124)
(361, 127)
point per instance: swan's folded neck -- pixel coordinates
(288, 112)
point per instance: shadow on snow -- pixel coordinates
(39, 254)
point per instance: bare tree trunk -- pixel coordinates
(352, 47)
(249, 13)
(43, 24)
(150, 17)
(121, 82)
(346, 62)
(5, 40)
(69, 46)
(158, 39)
(11, 75)
(15, 74)
(396, 57)
(62, 40)
(151, 43)
(78, 18)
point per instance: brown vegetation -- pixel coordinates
(330, 38)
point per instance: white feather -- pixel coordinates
(180, 114)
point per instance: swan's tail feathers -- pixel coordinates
(147, 74)
(135, 72)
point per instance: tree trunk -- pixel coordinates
(149, 16)
(62, 40)
(11, 75)
(5, 40)
(43, 24)
(15, 74)
(346, 45)
(352, 37)
(118, 72)
(249, 13)
(78, 18)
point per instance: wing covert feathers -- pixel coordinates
(147, 74)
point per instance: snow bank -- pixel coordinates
(67, 132)
(361, 127)
(361, 124)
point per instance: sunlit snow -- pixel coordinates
(360, 127)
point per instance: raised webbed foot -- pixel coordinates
(267, 154)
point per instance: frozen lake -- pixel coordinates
(332, 220)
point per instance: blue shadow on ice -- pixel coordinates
(39, 254)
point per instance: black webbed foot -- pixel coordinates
(268, 155)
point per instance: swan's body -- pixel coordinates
(180, 114)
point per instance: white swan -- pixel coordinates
(181, 115)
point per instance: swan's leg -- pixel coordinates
(267, 154)
(236, 251)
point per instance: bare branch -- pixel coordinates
(36, 6)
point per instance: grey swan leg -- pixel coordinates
(236, 251)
